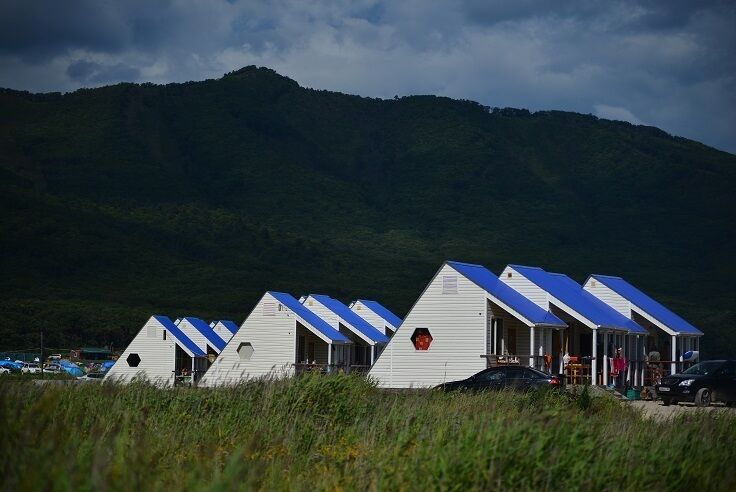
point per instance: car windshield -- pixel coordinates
(704, 368)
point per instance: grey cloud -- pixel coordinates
(666, 63)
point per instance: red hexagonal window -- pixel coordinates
(421, 338)
(133, 360)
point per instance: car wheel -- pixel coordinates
(702, 397)
(666, 402)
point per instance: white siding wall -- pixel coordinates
(457, 325)
(372, 318)
(157, 357)
(274, 348)
(525, 287)
(608, 296)
(222, 332)
(320, 310)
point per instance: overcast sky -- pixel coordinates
(670, 64)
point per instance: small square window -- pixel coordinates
(449, 284)
(269, 309)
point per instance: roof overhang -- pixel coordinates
(508, 309)
(318, 333)
(658, 323)
(360, 334)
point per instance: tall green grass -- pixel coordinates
(340, 433)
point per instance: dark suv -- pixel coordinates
(703, 383)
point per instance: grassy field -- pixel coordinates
(340, 433)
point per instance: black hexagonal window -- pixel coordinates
(245, 351)
(133, 360)
(421, 338)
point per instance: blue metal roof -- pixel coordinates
(309, 317)
(489, 282)
(180, 336)
(647, 304)
(381, 311)
(575, 297)
(207, 331)
(351, 317)
(231, 327)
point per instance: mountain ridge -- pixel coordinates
(198, 196)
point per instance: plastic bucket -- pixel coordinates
(633, 394)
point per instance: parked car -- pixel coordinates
(92, 377)
(496, 378)
(30, 368)
(4, 370)
(53, 369)
(703, 383)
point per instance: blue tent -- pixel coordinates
(71, 368)
(9, 364)
(107, 365)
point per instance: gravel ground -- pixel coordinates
(655, 409)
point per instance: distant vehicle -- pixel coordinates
(4, 370)
(10, 365)
(92, 377)
(53, 369)
(496, 378)
(30, 368)
(702, 384)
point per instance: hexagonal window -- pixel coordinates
(133, 360)
(421, 338)
(245, 351)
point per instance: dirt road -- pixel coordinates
(655, 409)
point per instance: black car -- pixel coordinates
(703, 383)
(514, 377)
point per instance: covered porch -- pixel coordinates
(514, 338)
(189, 367)
(316, 351)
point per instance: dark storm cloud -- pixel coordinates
(666, 63)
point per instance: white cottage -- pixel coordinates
(377, 315)
(279, 337)
(670, 334)
(464, 319)
(225, 329)
(159, 353)
(592, 323)
(204, 336)
(367, 341)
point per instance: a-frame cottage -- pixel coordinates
(377, 315)
(204, 336)
(595, 329)
(460, 323)
(367, 341)
(279, 337)
(159, 353)
(225, 329)
(666, 332)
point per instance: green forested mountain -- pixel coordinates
(194, 198)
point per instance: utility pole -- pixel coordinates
(40, 363)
